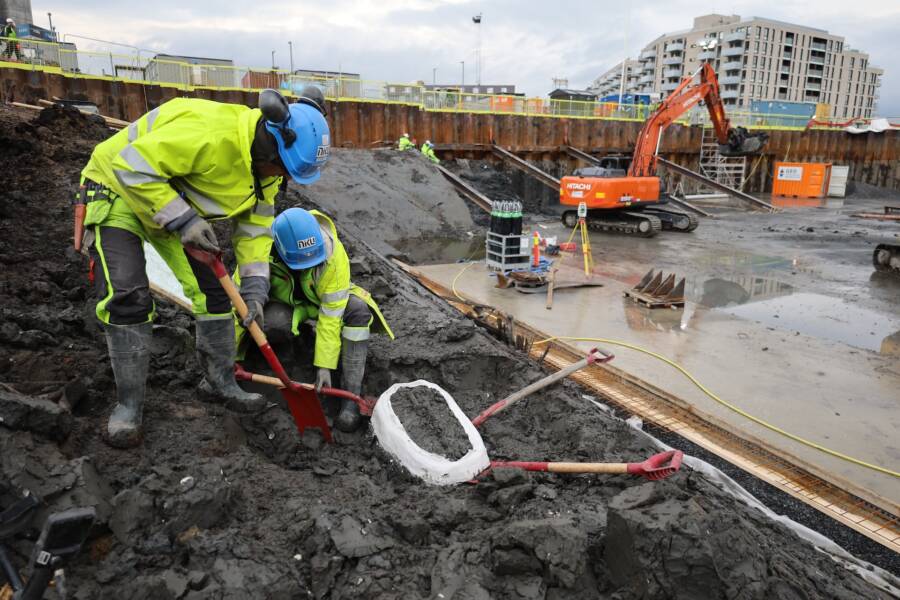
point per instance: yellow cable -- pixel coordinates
(455, 279)
(724, 403)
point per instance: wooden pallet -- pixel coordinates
(656, 291)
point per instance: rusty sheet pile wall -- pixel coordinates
(872, 158)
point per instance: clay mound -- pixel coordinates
(427, 419)
(216, 505)
(388, 195)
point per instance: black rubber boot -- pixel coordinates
(353, 369)
(215, 345)
(129, 354)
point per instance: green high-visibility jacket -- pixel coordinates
(187, 154)
(10, 32)
(429, 152)
(320, 293)
(406, 143)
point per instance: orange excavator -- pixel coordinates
(632, 201)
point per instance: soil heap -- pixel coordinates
(220, 506)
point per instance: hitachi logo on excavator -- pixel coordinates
(578, 186)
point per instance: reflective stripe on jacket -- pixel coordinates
(192, 153)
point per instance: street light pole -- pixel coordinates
(291, 51)
(273, 60)
(463, 63)
(434, 76)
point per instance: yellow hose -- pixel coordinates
(726, 404)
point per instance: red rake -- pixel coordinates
(301, 400)
(659, 466)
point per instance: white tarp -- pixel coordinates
(873, 126)
(161, 277)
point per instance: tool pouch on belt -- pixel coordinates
(92, 204)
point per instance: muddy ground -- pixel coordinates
(216, 505)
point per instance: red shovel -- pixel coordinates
(658, 466)
(301, 400)
(365, 403)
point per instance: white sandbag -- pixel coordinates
(434, 469)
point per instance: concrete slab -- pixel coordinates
(836, 389)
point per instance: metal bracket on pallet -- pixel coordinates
(656, 291)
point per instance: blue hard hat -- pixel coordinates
(298, 239)
(304, 142)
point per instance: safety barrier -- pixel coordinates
(142, 67)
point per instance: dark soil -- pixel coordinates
(427, 418)
(220, 506)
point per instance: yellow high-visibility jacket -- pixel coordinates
(320, 293)
(188, 153)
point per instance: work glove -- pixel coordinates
(255, 293)
(198, 233)
(323, 379)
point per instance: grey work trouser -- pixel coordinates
(279, 317)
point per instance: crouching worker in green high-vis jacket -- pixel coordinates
(311, 280)
(160, 180)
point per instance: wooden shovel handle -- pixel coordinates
(241, 307)
(569, 467)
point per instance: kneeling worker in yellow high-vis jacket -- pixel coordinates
(310, 279)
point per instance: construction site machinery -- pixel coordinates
(632, 201)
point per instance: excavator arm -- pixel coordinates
(733, 141)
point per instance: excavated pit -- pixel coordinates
(216, 505)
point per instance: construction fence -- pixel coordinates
(140, 66)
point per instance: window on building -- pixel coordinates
(503, 90)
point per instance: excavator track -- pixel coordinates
(674, 220)
(639, 224)
(886, 258)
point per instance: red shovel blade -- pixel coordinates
(658, 466)
(306, 409)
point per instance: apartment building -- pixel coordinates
(610, 82)
(760, 59)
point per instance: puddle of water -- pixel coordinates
(807, 202)
(738, 289)
(823, 317)
(439, 250)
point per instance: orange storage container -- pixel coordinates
(801, 180)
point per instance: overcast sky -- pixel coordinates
(524, 42)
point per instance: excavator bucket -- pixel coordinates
(741, 142)
(656, 290)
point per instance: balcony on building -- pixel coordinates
(734, 36)
(672, 73)
(813, 85)
(648, 54)
(646, 79)
(673, 60)
(727, 94)
(818, 46)
(668, 86)
(730, 79)
(733, 65)
(816, 60)
(707, 55)
(788, 53)
(733, 51)
(785, 69)
(675, 47)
